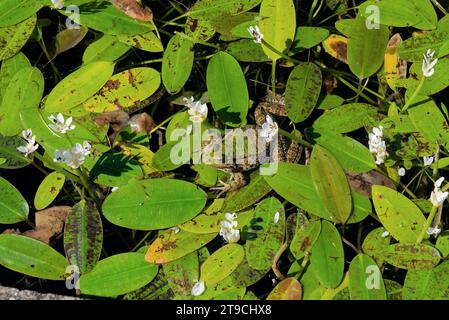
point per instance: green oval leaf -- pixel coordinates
(278, 26)
(14, 37)
(302, 91)
(154, 204)
(48, 190)
(177, 63)
(227, 88)
(68, 93)
(221, 263)
(125, 90)
(15, 11)
(31, 257)
(24, 91)
(331, 184)
(427, 284)
(365, 279)
(399, 215)
(118, 274)
(107, 48)
(13, 207)
(327, 259)
(265, 233)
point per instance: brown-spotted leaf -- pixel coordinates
(287, 289)
(337, 47)
(412, 256)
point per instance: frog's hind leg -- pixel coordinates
(237, 180)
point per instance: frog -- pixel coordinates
(272, 104)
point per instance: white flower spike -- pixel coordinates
(255, 33)
(401, 172)
(59, 124)
(429, 63)
(427, 161)
(433, 231)
(198, 289)
(31, 145)
(377, 145)
(74, 157)
(58, 4)
(269, 129)
(437, 196)
(197, 110)
(229, 230)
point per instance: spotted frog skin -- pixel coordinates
(288, 151)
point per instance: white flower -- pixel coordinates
(437, 196)
(31, 145)
(385, 234)
(427, 161)
(428, 65)
(59, 125)
(228, 228)
(401, 172)
(433, 231)
(269, 129)
(58, 4)
(377, 145)
(74, 157)
(175, 229)
(114, 189)
(276, 217)
(198, 288)
(255, 33)
(197, 110)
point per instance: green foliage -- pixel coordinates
(198, 150)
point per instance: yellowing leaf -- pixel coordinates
(337, 47)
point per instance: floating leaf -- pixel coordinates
(107, 48)
(240, 199)
(15, 11)
(376, 243)
(337, 47)
(48, 190)
(14, 37)
(107, 19)
(304, 239)
(210, 9)
(267, 230)
(227, 89)
(365, 280)
(302, 91)
(345, 118)
(395, 68)
(12, 158)
(287, 289)
(170, 245)
(221, 263)
(69, 38)
(154, 204)
(182, 273)
(146, 42)
(9, 69)
(125, 90)
(83, 236)
(24, 91)
(308, 37)
(118, 274)
(278, 26)
(31, 257)
(14, 207)
(327, 259)
(331, 183)
(134, 9)
(68, 93)
(177, 63)
(412, 256)
(247, 50)
(399, 215)
(427, 284)
(366, 48)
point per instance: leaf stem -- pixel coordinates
(415, 94)
(427, 225)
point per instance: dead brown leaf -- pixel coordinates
(134, 9)
(362, 182)
(49, 222)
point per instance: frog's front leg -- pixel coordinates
(237, 180)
